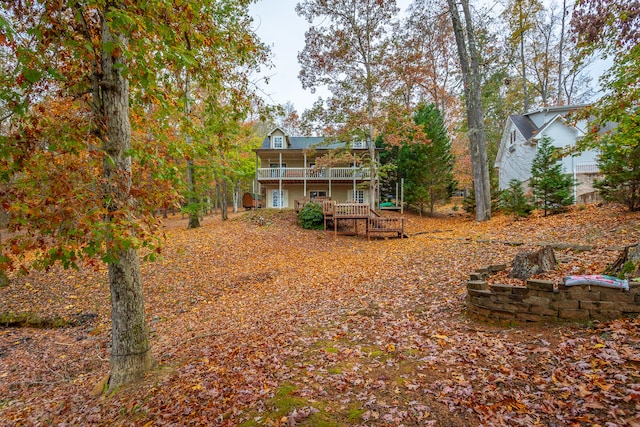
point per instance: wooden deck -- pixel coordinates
(374, 223)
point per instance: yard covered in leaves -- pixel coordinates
(275, 325)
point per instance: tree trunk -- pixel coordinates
(222, 184)
(373, 170)
(192, 200)
(236, 195)
(523, 66)
(131, 354)
(432, 202)
(561, 48)
(470, 64)
(216, 202)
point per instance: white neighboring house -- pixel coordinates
(519, 144)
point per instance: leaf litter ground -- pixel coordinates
(275, 325)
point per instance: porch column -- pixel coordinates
(353, 167)
(280, 180)
(304, 177)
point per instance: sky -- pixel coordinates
(280, 28)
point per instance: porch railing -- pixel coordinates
(313, 173)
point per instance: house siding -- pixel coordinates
(297, 178)
(514, 160)
(339, 192)
(277, 132)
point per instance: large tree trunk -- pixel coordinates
(192, 200)
(131, 354)
(373, 170)
(470, 64)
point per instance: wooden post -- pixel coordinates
(396, 194)
(402, 196)
(304, 177)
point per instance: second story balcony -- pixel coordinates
(313, 174)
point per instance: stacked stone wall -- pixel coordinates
(546, 301)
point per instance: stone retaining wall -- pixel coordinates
(543, 300)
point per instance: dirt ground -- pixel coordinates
(262, 323)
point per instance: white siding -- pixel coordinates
(516, 158)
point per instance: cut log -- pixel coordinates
(526, 264)
(627, 265)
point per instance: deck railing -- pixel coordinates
(587, 167)
(351, 210)
(313, 173)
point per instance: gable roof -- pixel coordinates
(275, 129)
(303, 142)
(525, 125)
(546, 126)
(528, 128)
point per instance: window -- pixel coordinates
(278, 141)
(358, 144)
(358, 196)
(279, 199)
(314, 194)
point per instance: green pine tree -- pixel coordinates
(552, 188)
(619, 162)
(514, 201)
(428, 168)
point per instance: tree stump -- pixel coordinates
(526, 264)
(627, 265)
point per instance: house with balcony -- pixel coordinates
(288, 170)
(519, 145)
